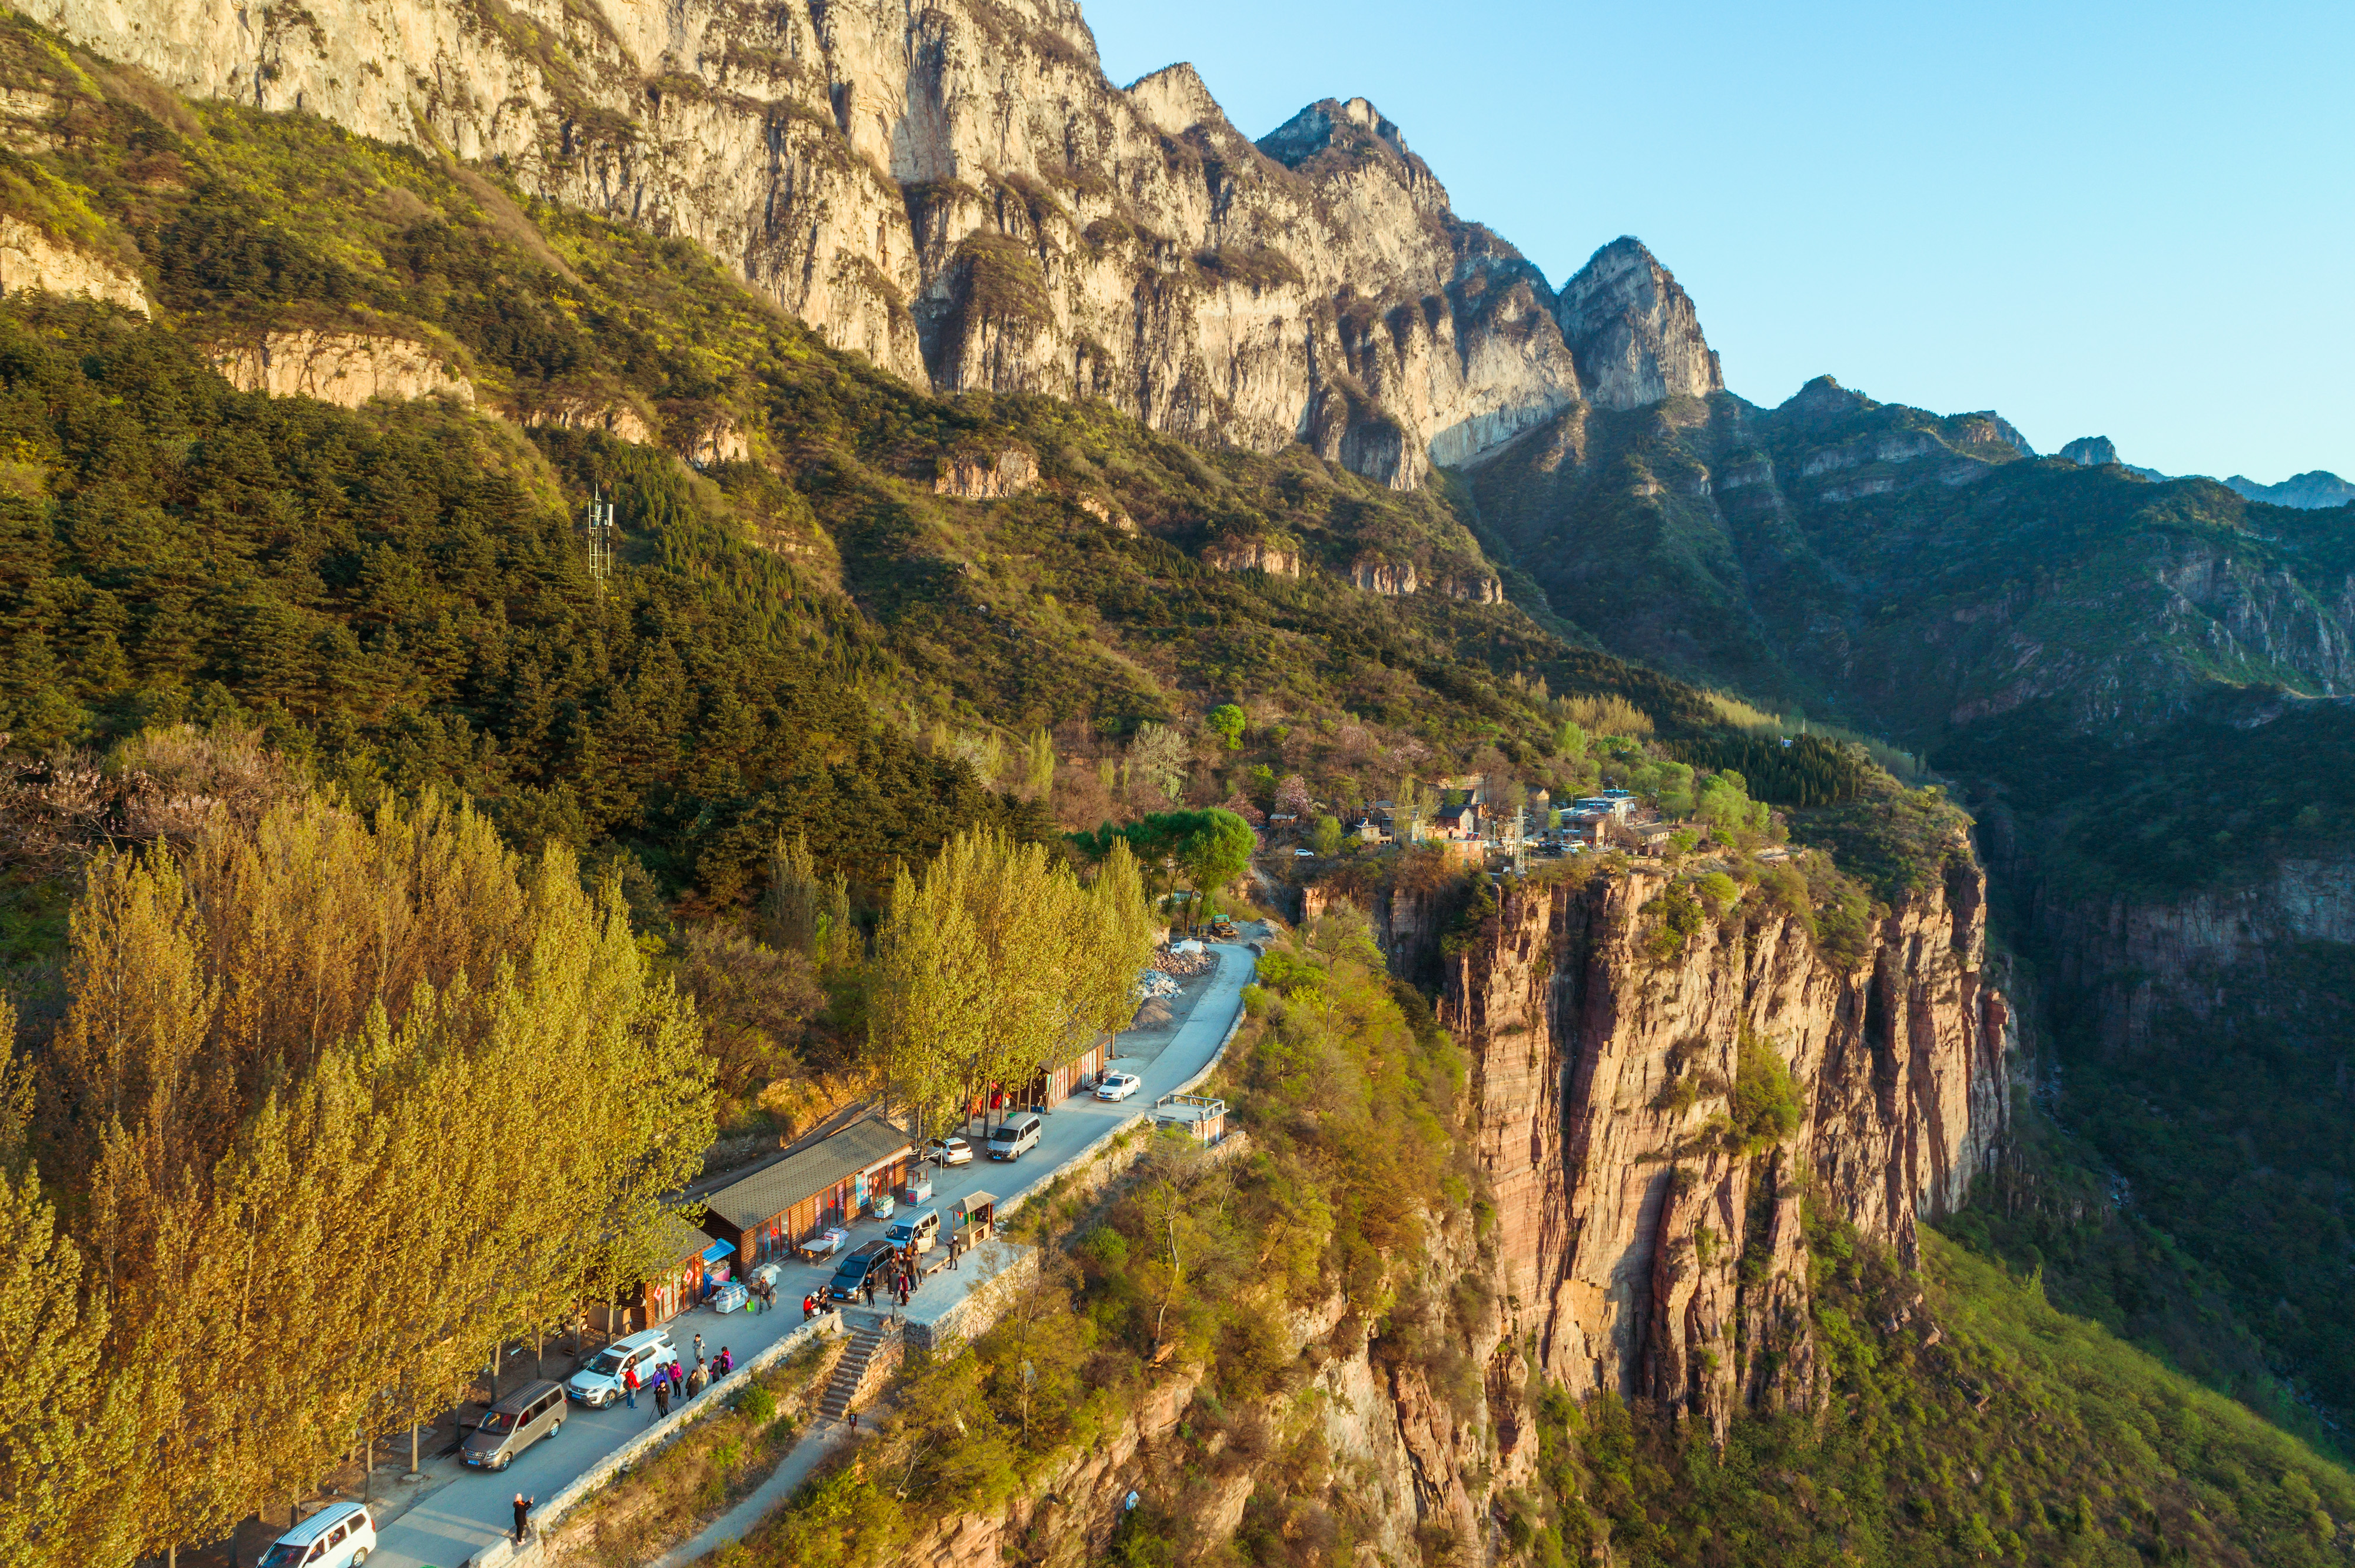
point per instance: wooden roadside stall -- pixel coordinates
(671, 1289)
(833, 1182)
(1067, 1078)
(973, 1219)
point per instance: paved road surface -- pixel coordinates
(445, 1528)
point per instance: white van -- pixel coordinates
(1016, 1137)
(340, 1535)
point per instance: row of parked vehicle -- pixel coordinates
(343, 1537)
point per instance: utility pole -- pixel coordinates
(600, 540)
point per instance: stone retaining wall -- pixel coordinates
(504, 1554)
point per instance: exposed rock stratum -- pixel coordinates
(957, 191)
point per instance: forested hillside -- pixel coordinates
(411, 594)
(351, 802)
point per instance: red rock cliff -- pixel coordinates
(1600, 1082)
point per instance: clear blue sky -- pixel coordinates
(2130, 220)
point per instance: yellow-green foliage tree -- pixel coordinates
(996, 962)
(67, 1432)
(344, 1106)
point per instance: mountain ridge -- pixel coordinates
(962, 196)
(2316, 489)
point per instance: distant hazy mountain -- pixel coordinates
(2320, 488)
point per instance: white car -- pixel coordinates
(598, 1384)
(1118, 1085)
(948, 1151)
(340, 1535)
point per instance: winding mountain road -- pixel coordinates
(464, 1511)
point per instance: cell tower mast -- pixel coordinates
(601, 539)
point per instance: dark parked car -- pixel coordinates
(862, 1262)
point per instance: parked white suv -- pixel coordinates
(598, 1384)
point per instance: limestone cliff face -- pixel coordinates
(345, 368)
(1623, 1217)
(956, 191)
(1634, 331)
(31, 259)
(1252, 556)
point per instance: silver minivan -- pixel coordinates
(915, 1234)
(531, 1413)
(1015, 1137)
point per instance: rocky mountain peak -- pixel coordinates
(1173, 99)
(1825, 398)
(1633, 331)
(1330, 124)
(2091, 451)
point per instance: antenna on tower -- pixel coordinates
(601, 539)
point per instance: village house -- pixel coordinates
(829, 1183)
(1652, 838)
(1585, 825)
(1065, 1079)
(1458, 821)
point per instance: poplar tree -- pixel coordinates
(996, 962)
(316, 1191)
(67, 1432)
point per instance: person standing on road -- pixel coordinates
(523, 1516)
(698, 1349)
(630, 1385)
(662, 1399)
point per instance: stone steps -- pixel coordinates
(873, 1351)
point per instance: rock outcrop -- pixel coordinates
(1252, 556)
(1392, 579)
(1634, 331)
(31, 259)
(616, 418)
(340, 367)
(1644, 1247)
(957, 192)
(1008, 472)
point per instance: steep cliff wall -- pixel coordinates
(958, 192)
(2124, 961)
(1642, 1247)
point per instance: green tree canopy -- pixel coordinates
(1227, 722)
